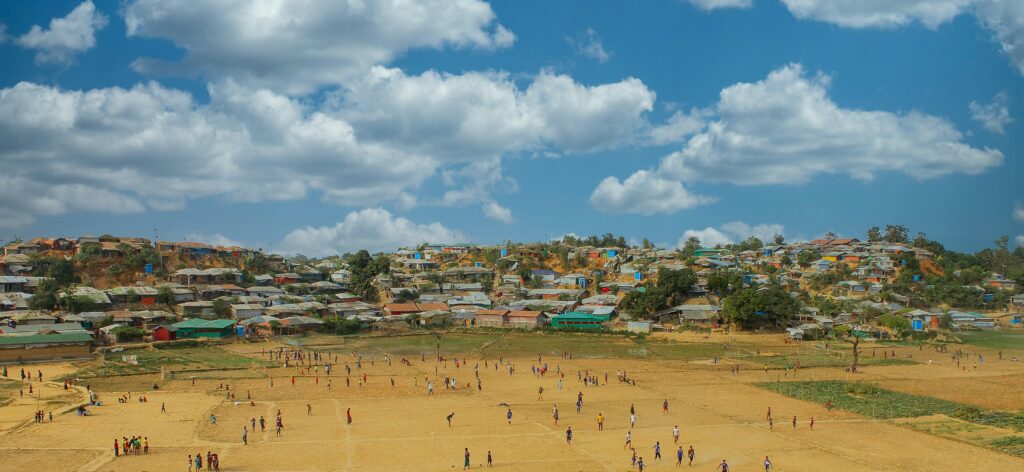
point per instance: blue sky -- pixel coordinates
(319, 129)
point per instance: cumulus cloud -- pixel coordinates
(645, 193)
(785, 130)
(878, 13)
(1018, 213)
(479, 113)
(153, 147)
(993, 116)
(65, 37)
(1019, 240)
(1003, 18)
(708, 5)
(373, 143)
(677, 127)
(3, 33)
(296, 47)
(732, 232)
(373, 229)
(215, 239)
(590, 46)
(497, 212)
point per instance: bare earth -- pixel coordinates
(402, 428)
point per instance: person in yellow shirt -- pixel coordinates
(600, 422)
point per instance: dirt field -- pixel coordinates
(721, 414)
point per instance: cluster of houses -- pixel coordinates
(433, 285)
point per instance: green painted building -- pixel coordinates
(577, 320)
(199, 328)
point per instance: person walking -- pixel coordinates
(690, 453)
(724, 466)
(657, 451)
(675, 434)
(568, 435)
(245, 435)
(767, 464)
(679, 456)
(465, 463)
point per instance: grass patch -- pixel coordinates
(865, 399)
(875, 402)
(149, 361)
(1010, 445)
(994, 339)
(494, 343)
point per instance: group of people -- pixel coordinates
(136, 445)
(212, 462)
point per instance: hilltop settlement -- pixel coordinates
(63, 297)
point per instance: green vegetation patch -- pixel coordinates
(1010, 445)
(865, 398)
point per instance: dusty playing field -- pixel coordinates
(722, 415)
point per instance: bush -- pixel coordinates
(128, 333)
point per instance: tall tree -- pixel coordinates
(896, 233)
(874, 234)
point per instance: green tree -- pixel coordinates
(165, 295)
(805, 258)
(691, 246)
(874, 234)
(765, 306)
(128, 333)
(895, 233)
(779, 239)
(45, 297)
(673, 284)
(222, 308)
(62, 271)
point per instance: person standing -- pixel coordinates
(600, 422)
(190, 463)
(724, 466)
(348, 415)
(568, 435)
(508, 416)
(664, 406)
(794, 422)
(679, 456)
(690, 453)
(117, 450)
(675, 434)
(767, 464)
(465, 463)
(489, 458)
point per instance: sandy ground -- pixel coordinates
(402, 428)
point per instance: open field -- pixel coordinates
(720, 413)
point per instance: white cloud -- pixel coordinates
(1018, 213)
(677, 127)
(590, 46)
(1019, 240)
(215, 239)
(478, 114)
(731, 232)
(67, 36)
(709, 237)
(785, 129)
(1005, 19)
(296, 47)
(124, 150)
(878, 13)
(644, 193)
(3, 33)
(373, 229)
(497, 212)
(993, 116)
(708, 5)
